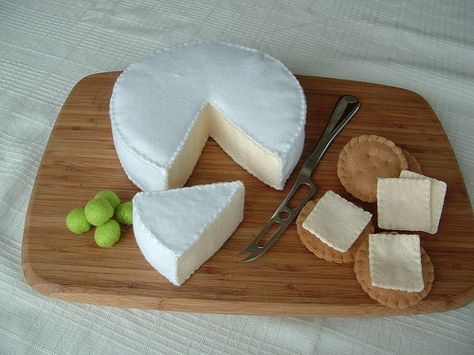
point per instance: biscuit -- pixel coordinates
(366, 158)
(388, 297)
(321, 249)
(413, 164)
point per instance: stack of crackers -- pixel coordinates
(392, 268)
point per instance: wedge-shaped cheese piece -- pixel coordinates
(164, 108)
(438, 193)
(336, 221)
(404, 204)
(395, 262)
(178, 230)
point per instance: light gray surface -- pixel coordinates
(47, 46)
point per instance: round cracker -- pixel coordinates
(388, 297)
(366, 158)
(321, 249)
(413, 164)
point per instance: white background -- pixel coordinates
(47, 46)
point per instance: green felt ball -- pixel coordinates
(107, 234)
(76, 221)
(98, 211)
(110, 196)
(124, 213)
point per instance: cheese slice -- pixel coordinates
(404, 204)
(395, 262)
(178, 230)
(336, 221)
(438, 193)
(164, 108)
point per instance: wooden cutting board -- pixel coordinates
(80, 160)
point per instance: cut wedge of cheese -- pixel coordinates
(178, 230)
(438, 193)
(163, 110)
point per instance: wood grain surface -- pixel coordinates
(80, 160)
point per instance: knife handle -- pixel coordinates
(345, 109)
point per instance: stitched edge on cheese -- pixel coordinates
(117, 140)
(321, 207)
(387, 297)
(148, 160)
(206, 225)
(376, 260)
(438, 194)
(400, 209)
(321, 249)
(347, 179)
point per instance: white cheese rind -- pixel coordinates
(161, 117)
(178, 230)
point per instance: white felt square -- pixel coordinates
(395, 262)
(404, 204)
(336, 221)
(438, 193)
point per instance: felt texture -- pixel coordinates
(390, 297)
(438, 193)
(323, 250)
(413, 164)
(98, 211)
(124, 213)
(77, 222)
(404, 204)
(364, 159)
(336, 221)
(110, 196)
(166, 92)
(107, 234)
(48, 46)
(395, 262)
(177, 230)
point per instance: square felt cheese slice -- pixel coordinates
(178, 230)
(395, 262)
(438, 193)
(404, 204)
(336, 221)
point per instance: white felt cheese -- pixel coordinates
(336, 221)
(438, 192)
(404, 204)
(395, 262)
(178, 230)
(164, 108)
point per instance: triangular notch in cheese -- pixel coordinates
(164, 108)
(178, 230)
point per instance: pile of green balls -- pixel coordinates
(105, 211)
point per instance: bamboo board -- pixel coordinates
(80, 160)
